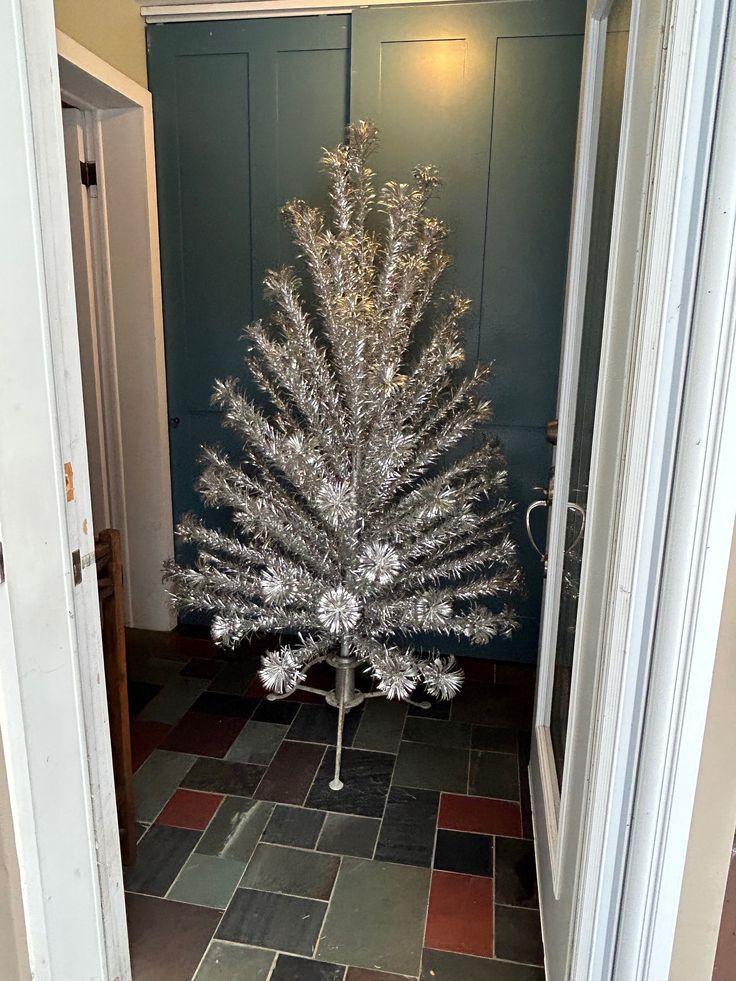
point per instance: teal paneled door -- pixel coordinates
(241, 111)
(486, 91)
(489, 93)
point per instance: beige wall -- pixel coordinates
(111, 29)
(714, 817)
(13, 953)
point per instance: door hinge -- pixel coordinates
(88, 170)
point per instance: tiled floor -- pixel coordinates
(251, 869)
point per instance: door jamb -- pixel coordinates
(124, 220)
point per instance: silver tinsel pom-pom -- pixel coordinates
(282, 670)
(226, 631)
(442, 676)
(396, 672)
(379, 563)
(338, 610)
(336, 501)
(276, 587)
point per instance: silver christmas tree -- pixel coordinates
(353, 532)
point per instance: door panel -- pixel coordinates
(241, 112)
(489, 94)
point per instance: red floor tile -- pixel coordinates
(145, 736)
(204, 734)
(479, 669)
(460, 914)
(190, 809)
(483, 815)
(167, 940)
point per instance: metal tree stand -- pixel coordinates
(344, 696)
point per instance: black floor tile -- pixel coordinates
(494, 775)
(318, 724)
(235, 676)
(495, 740)
(282, 713)
(515, 873)
(232, 706)
(518, 935)
(140, 694)
(296, 826)
(202, 667)
(366, 776)
(437, 710)
(160, 857)
(408, 828)
(499, 706)
(461, 851)
(266, 919)
(290, 968)
(224, 777)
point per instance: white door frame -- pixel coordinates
(53, 711)
(693, 579)
(628, 512)
(130, 334)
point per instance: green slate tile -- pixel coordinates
(440, 965)
(174, 700)
(235, 829)
(376, 917)
(225, 962)
(207, 880)
(298, 826)
(257, 743)
(274, 868)
(381, 725)
(349, 834)
(157, 779)
(436, 732)
(432, 768)
(269, 919)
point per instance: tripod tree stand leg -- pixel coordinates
(336, 783)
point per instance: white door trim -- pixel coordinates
(697, 550)
(52, 694)
(647, 515)
(165, 11)
(124, 226)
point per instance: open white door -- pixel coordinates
(618, 103)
